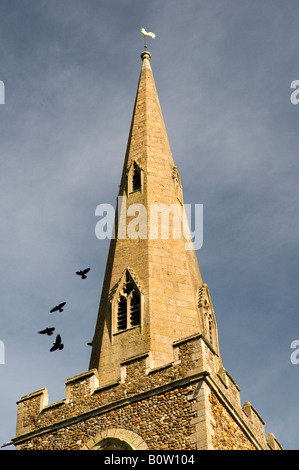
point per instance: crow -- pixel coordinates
(47, 331)
(83, 273)
(58, 308)
(58, 344)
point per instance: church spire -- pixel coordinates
(147, 125)
(152, 283)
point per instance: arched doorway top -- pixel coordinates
(115, 439)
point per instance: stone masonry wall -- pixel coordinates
(163, 422)
(182, 405)
(227, 434)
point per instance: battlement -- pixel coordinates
(192, 372)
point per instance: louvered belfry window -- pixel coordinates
(135, 309)
(122, 314)
(129, 308)
(136, 179)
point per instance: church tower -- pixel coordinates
(155, 379)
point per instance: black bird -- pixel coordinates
(89, 344)
(83, 273)
(47, 331)
(58, 307)
(58, 344)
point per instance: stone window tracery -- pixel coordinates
(128, 305)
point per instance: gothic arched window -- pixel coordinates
(128, 304)
(208, 320)
(136, 178)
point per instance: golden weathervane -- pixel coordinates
(152, 35)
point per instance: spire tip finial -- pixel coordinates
(146, 55)
(152, 35)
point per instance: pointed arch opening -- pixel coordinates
(209, 323)
(207, 316)
(128, 304)
(134, 178)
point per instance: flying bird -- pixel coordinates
(83, 273)
(152, 35)
(47, 331)
(58, 307)
(58, 344)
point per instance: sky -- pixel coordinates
(223, 71)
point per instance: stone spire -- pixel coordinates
(153, 294)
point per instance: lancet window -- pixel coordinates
(129, 305)
(209, 321)
(207, 317)
(134, 178)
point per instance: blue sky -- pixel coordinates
(223, 71)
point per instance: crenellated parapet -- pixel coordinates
(199, 400)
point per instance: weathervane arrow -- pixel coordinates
(152, 35)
